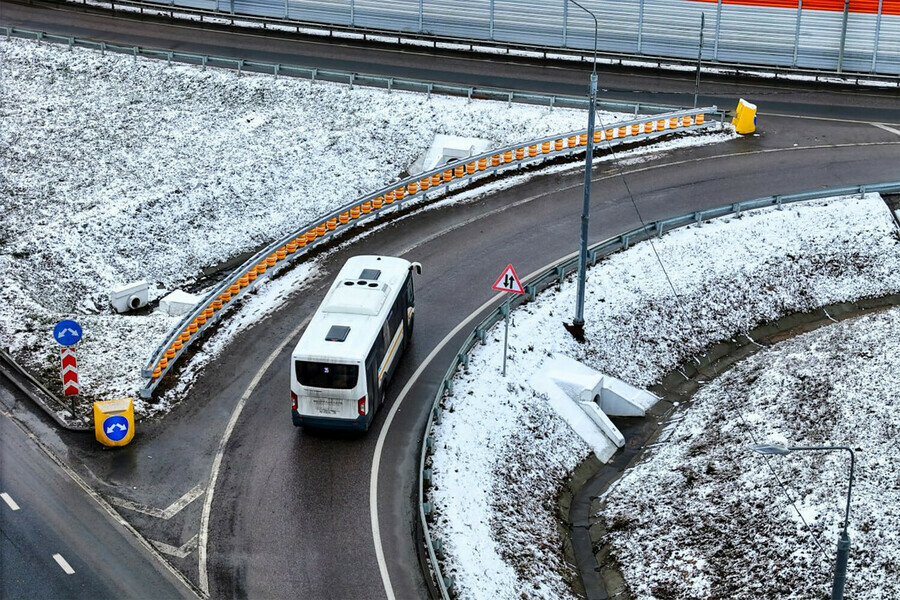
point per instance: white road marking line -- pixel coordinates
(166, 513)
(217, 463)
(376, 459)
(9, 501)
(106, 506)
(62, 563)
(886, 128)
(181, 552)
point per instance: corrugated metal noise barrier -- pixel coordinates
(552, 276)
(423, 187)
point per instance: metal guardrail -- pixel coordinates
(552, 276)
(334, 76)
(422, 187)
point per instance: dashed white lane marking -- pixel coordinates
(62, 563)
(887, 128)
(9, 501)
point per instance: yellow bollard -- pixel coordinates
(744, 117)
(114, 422)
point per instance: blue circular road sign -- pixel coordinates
(67, 333)
(115, 427)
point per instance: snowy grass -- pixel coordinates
(706, 517)
(503, 455)
(114, 169)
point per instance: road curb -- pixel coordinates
(36, 391)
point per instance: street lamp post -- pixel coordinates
(577, 326)
(843, 547)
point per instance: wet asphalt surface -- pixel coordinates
(290, 515)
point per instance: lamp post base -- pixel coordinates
(576, 329)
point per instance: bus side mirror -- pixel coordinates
(417, 267)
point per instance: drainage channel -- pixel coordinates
(600, 576)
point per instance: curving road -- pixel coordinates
(290, 512)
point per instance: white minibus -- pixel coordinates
(351, 347)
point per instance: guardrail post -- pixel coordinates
(626, 242)
(778, 202)
(438, 548)
(430, 87)
(464, 359)
(659, 228)
(480, 334)
(736, 209)
(560, 273)
(390, 84)
(530, 291)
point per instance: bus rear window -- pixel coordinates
(327, 375)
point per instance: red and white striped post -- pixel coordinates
(69, 373)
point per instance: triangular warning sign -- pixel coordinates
(509, 282)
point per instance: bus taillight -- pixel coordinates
(362, 406)
(293, 400)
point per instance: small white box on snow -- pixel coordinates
(130, 296)
(178, 303)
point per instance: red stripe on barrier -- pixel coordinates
(870, 7)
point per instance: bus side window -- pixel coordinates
(410, 294)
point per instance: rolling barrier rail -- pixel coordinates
(421, 187)
(343, 77)
(555, 275)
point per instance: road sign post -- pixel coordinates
(507, 282)
(68, 333)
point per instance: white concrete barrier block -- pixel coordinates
(130, 296)
(178, 303)
(602, 421)
(621, 399)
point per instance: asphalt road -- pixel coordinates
(290, 512)
(434, 64)
(292, 504)
(58, 542)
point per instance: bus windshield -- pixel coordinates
(327, 375)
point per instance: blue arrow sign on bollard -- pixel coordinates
(116, 427)
(67, 333)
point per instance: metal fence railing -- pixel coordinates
(847, 37)
(552, 276)
(342, 77)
